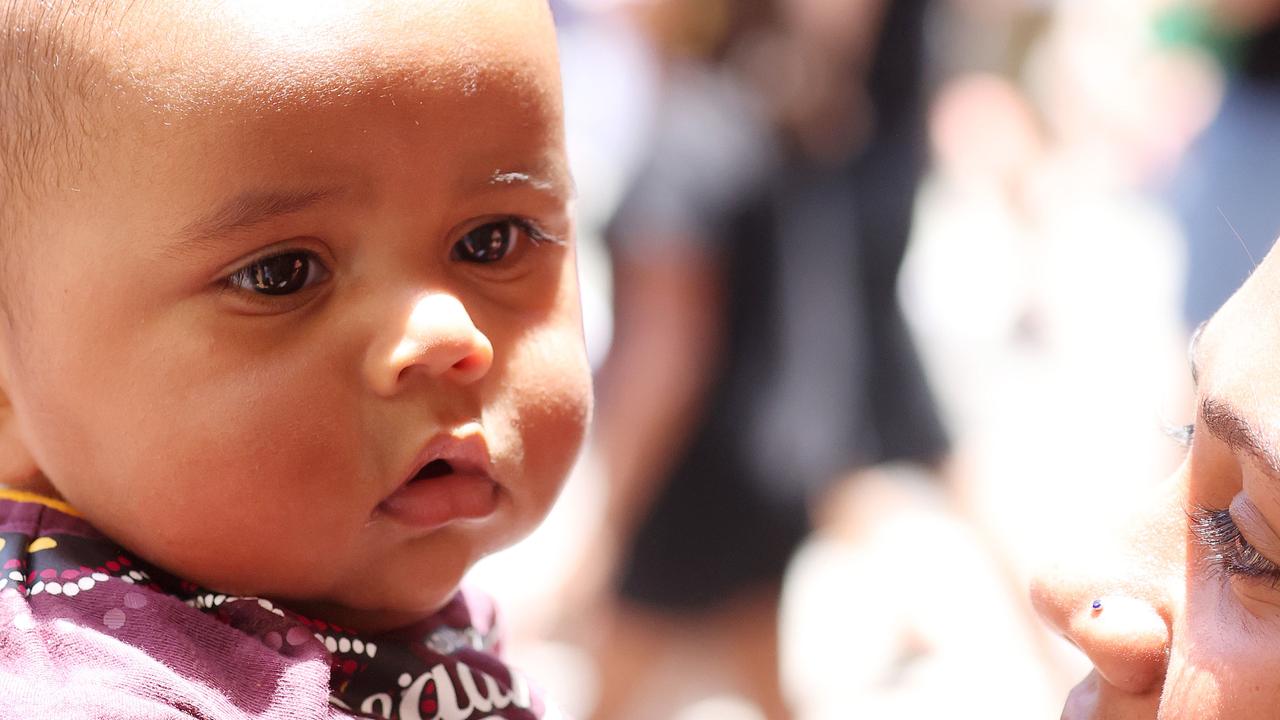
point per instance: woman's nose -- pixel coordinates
(440, 340)
(1116, 595)
(1123, 632)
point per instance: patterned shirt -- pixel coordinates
(89, 630)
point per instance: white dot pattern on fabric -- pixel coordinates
(70, 589)
(113, 618)
(134, 600)
(86, 583)
(297, 635)
(344, 645)
(273, 640)
(24, 622)
(37, 588)
(331, 644)
(100, 577)
(358, 645)
(53, 588)
(405, 680)
(371, 648)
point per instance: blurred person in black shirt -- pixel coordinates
(760, 357)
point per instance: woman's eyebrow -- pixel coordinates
(1229, 426)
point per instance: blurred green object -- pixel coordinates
(1189, 25)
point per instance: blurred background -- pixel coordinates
(889, 303)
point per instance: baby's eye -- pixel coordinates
(283, 274)
(488, 243)
(497, 240)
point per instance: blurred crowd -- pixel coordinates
(884, 297)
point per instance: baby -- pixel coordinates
(289, 338)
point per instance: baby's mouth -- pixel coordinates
(444, 490)
(433, 469)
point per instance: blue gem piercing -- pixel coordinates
(1096, 605)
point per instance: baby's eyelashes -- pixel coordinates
(496, 240)
(282, 274)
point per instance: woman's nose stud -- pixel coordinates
(1127, 643)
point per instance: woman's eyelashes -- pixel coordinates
(1228, 550)
(1182, 434)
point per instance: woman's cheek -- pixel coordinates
(1191, 693)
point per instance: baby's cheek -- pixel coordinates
(554, 406)
(253, 492)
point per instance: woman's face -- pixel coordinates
(1186, 623)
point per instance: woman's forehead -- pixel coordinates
(1237, 354)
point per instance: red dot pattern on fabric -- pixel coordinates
(428, 704)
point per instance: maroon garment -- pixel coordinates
(89, 630)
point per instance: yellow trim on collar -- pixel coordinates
(30, 497)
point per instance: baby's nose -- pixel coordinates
(439, 339)
(1124, 633)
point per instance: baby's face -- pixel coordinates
(321, 253)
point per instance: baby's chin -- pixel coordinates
(399, 591)
(374, 607)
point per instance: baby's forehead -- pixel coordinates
(318, 52)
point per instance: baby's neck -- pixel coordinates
(36, 484)
(367, 622)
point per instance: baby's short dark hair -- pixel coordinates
(50, 76)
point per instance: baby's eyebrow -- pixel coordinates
(514, 178)
(556, 182)
(247, 210)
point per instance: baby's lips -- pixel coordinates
(466, 450)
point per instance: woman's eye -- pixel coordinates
(283, 274)
(1229, 551)
(488, 243)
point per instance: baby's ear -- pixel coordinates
(17, 467)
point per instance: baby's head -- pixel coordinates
(263, 262)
